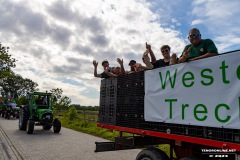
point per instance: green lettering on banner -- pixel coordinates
(216, 113)
(223, 68)
(204, 111)
(207, 77)
(183, 110)
(238, 72)
(170, 100)
(172, 82)
(185, 78)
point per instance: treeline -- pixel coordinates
(87, 108)
(14, 86)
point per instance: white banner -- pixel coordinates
(205, 92)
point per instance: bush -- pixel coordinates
(72, 114)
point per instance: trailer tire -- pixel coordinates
(189, 158)
(152, 154)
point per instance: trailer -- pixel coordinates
(194, 107)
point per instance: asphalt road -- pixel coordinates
(46, 145)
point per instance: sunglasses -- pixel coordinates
(194, 35)
(165, 50)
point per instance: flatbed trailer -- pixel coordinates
(126, 105)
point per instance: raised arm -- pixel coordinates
(121, 65)
(95, 64)
(147, 61)
(152, 55)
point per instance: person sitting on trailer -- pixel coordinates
(199, 48)
(167, 59)
(106, 67)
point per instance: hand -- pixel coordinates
(186, 53)
(174, 56)
(173, 59)
(145, 54)
(95, 64)
(148, 47)
(120, 61)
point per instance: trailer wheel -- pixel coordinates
(152, 154)
(30, 126)
(189, 158)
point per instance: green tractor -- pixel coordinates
(2, 109)
(11, 110)
(38, 111)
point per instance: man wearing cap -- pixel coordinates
(199, 48)
(106, 67)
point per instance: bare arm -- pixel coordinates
(110, 73)
(121, 65)
(147, 61)
(95, 64)
(204, 56)
(152, 55)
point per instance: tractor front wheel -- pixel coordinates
(47, 126)
(30, 126)
(56, 126)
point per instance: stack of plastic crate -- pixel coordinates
(108, 98)
(130, 99)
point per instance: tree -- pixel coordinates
(17, 85)
(6, 62)
(63, 102)
(9, 81)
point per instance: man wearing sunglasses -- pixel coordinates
(167, 59)
(199, 48)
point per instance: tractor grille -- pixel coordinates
(47, 117)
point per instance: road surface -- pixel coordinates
(46, 145)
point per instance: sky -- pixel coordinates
(55, 41)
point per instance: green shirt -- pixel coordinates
(205, 46)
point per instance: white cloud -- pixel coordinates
(196, 22)
(220, 17)
(55, 41)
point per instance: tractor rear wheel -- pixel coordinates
(9, 115)
(30, 126)
(56, 126)
(23, 118)
(2, 113)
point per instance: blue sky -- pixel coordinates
(55, 41)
